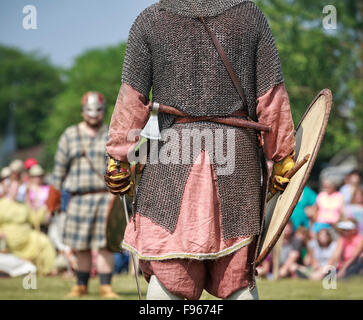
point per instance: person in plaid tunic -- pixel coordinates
(79, 168)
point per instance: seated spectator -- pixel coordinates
(4, 181)
(302, 234)
(38, 191)
(25, 178)
(36, 197)
(320, 251)
(329, 205)
(352, 183)
(349, 251)
(21, 240)
(291, 251)
(355, 209)
(16, 168)
(299, 216)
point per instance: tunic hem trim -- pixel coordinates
(196, 256)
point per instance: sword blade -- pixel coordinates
(123, 199)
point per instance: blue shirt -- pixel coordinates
(299, 217)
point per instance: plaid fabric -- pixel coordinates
(72, 172)
(85, 225)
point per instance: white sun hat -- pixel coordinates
(36, 171)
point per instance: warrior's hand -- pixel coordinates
(118, 177)
(280, 169)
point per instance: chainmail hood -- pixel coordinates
(198, 8)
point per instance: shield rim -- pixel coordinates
(328, 105)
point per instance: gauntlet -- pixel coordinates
(118, 177)
(280, 169)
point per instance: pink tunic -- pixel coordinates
(198, 232)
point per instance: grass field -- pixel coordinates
(55, 288)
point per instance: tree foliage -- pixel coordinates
(314, 58)
(30, 83)
(95, 70)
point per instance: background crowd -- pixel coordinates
(324, 234)
(325, 231)
(30, 236)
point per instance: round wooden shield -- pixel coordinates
(309, 135)
(116, 225)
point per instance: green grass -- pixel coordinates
(57, 287)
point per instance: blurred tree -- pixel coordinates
(29, 83)
(314, 58)
(95, 70)
(355, 83)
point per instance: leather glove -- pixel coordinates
(118, 177)
(278, 181)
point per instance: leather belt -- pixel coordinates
(231, 120)
(238, 113)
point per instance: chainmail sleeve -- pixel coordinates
(137, 66)
(268, 67)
